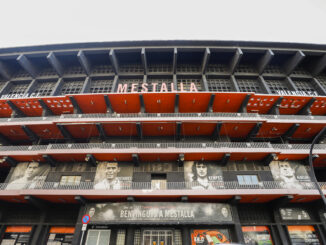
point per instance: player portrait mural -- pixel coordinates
(203, 175)
(28, 175)
(289, 174)
(257, 235)
(113, 175)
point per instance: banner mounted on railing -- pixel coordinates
(190, 213)
(28, 175)
(290, 175)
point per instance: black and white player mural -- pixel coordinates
(203, 175)
(113, 175)
(289, 174)
(28, 175)
(160, 212)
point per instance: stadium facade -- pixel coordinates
(162, 143)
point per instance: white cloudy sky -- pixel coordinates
(33, 22)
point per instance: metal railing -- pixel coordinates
(129, 185)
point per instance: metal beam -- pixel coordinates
(243, 107)
(320, 88)
(211, 103)
(178, 130)
(184, 199)
(57, 66)
(267, 160)
(204, 83)
(101, 131)
(108, 104)
(12, 162)
(65, 133)
(253, 132)
(4, 140)
(84, 62)
(139, 130)
(135, 159)
(235, 200)
(131, 199)
(225, 159)
(176, 103)
(46, 110)
(36, 202)
(264, 61)
(319, 66)
(306, 160)
(77, 109)
(281, 201)
(288, 134)
(306, 109)
(144, 60)
(235, 60)
(142, 103)
(217, 130)
(27, 65)
(175, 60)
(206, 58)
(181, 159)
(293, 62)
(4, 71)
(114, 61)
(91, 159)
(82, 200)
(16, 111)
(264, 85)
(50, 160)
(31, 135)
(275, 109)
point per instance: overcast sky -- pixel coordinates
(34, 22)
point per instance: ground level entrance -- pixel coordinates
(157, 237)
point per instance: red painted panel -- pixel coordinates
(261, 103)
(91, 103)
(319, 106)
(125, 103)
(159, 129)
(273, 130)
(13, 133)
(30, 107)
(292, 156)
(158, 157)
(49, 131)
(236, 130)
(113, 157)
(59, 105)
(197, 128)
(82, 130)
(159, 102)
(293, 104)
(247, 156)
(228, 102)
(203, 156)
(5, 110)
(69, 157)
(120, 129)
(307, 130)
(193, 102)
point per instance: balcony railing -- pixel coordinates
(129, 185)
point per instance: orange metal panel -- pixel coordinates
(59, 105)
(5, 110)
(120, 129)
(82, 130)
(293, 104)
(113, 157)
(228, 102)
(261, 103)
(91, 103)
(258, 198)
(69, 157)
(197, 128)
(193, 102)
(30, 107)
(49, 131)
(203, 156)
(254, 156)
(19, 229)
(307, 130)
(273, 130)
(158, 157)
(27, 158)
(158, 129)
(319, 106)
(125, 103)
(159, 102)
(13, 133)
(236, 130)
(62, 229)
(292, 156)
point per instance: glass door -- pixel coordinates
(157, 237)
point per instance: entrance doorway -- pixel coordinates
(157, 237)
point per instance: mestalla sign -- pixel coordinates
(155, 88)
(160, 212)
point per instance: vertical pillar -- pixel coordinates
(130, 235)
(38, 234)
(186, 235)
(78, 227)
(237, 225)
(280, 227)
